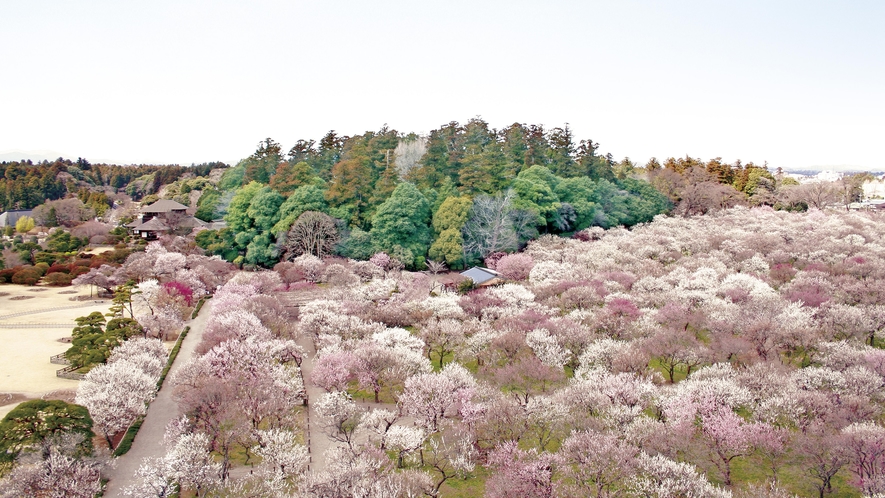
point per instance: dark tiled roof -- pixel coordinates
(163, 206)
(153, 225)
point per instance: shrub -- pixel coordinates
(6, 275)
(58, 279)
(26, 276)
(42, 268)
(117, 256)
(466, 286)
(47, 257)
(79, 270)
(56, 268)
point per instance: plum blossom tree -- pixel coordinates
(381, 366)
(187, 465)
(334, 370)
(431, 397)
(55, 468)
(117, 392)
(447, 456)
(234, 324)
(515, 266)
(239, 387)
(660, 477)
(282, 457)
(520, 472)
(547, 348)
(595, 464)
(339, 416)
(443, 338)
(404, 440)
(823, 455)
(526, 377)
(730, 437)
(865, 444)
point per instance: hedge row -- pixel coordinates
(199, 306)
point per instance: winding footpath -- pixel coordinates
(149, 441)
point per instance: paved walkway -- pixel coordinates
(149, 441)
(316, 440)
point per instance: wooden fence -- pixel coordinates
(59, 359)
(69, 373)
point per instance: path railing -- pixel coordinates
(69, 373)
(59, 359)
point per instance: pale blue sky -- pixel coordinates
(796, 83)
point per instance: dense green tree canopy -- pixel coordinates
(448, 248)
(578, 193)
(534, 192)
(452, 214)
(403, 220)
(290, 177)
(304, 198)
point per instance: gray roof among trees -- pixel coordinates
(163, 206)
(153, 225)
(480, 275)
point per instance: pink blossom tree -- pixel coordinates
(333, 371)
(520, 473)
(515, 266)
(595, 464)
(728, 436)
(865, 444)
(431, 397)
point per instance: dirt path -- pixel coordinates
(317, 442)
(149, 441)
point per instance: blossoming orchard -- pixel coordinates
(735, 354)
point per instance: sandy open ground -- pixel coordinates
(24, 362)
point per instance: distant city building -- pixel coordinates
(873, 205)
(874, 189)
(9, 218)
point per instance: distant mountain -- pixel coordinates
(33, 155)
(843, 172)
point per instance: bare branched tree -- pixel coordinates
(817, 195)
(493, 225)
(408, 153)
(312, 233)
(436, 267)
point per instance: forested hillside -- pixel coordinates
(441, 197)
(453, 197)
(25, 185)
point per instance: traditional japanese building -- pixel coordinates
(163, 216)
